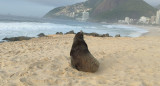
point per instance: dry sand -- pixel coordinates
(46, 62)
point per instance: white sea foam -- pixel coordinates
(13, 29)
(124, 30)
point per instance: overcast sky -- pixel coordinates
(38, 8)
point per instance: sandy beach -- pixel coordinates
(152, 30)
(45, 61)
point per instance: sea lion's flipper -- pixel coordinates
(78, 67)
(73, 63)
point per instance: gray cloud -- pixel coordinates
(56, 2)
(23, 8)
(68, 2)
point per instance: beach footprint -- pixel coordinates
(26, 82)
(37, 65)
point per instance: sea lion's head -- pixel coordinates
(79, 36)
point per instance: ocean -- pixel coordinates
(31, 27)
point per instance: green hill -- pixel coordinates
(158, 7)
(106, 10)
(119, 9)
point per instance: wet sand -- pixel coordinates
(152, 30)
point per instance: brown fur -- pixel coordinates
(81, 58)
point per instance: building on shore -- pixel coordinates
(85, 16)
(121, 21)
(72, 14)
(153, 20)
(158, 17)
(144, 20)
(127, 20)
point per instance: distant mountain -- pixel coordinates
(105, 10)
(158, 7)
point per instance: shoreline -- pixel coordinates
(152, 30)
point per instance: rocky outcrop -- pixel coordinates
(97, 35)
(118, 35)
(59, 33)
(1, 41)
(20, 38)
(41, 35)
(70, 32)
(88, 34)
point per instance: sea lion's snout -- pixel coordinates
(79, 35)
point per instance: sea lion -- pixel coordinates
(81, 58)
